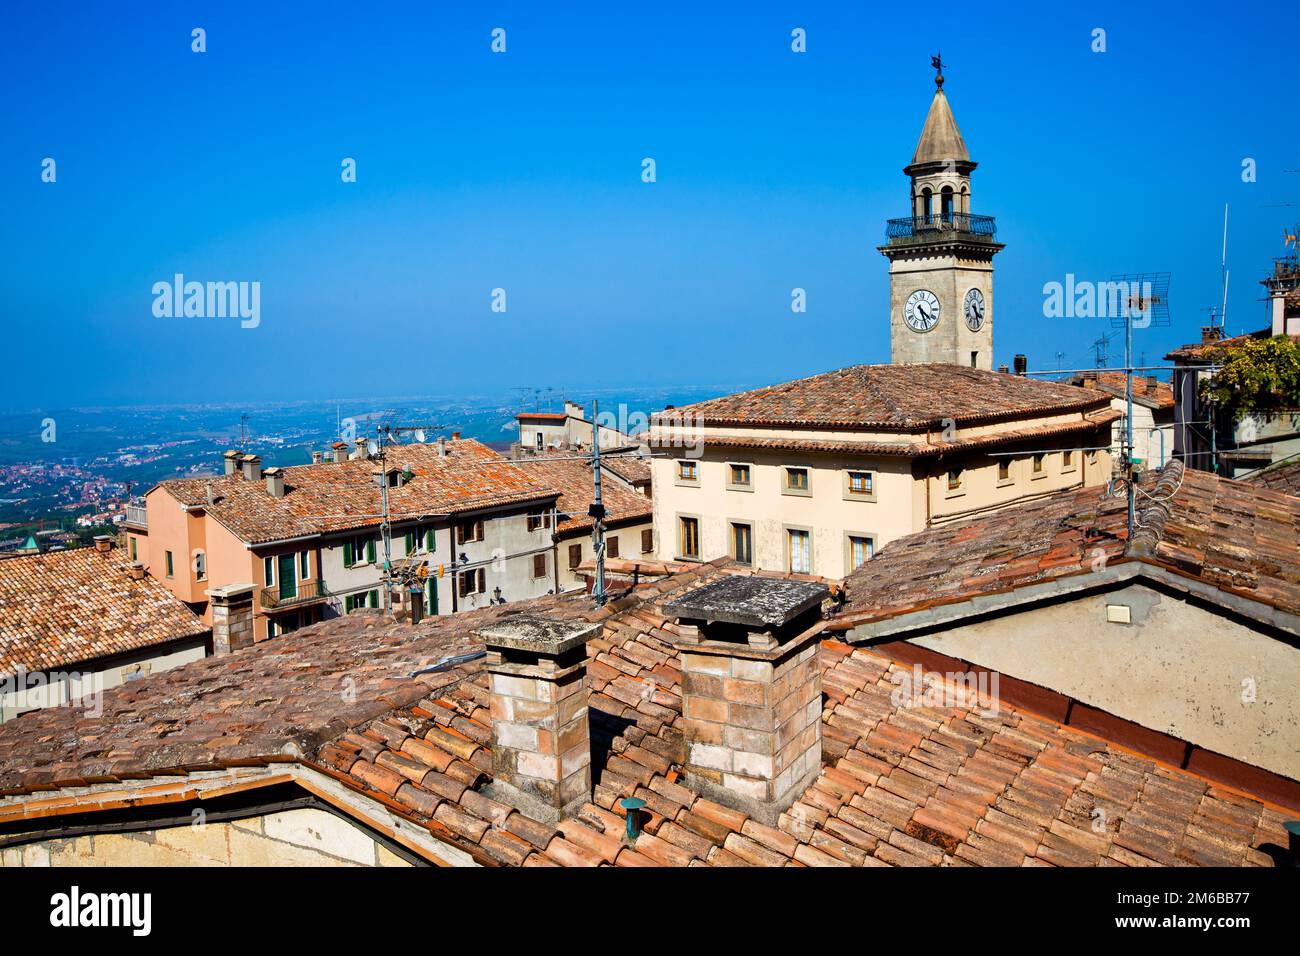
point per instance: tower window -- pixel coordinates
(947, 204)
(974, 357)
(927, 205)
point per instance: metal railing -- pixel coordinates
(958, 223)
(304, 592)
(137, 515)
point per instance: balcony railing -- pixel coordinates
(280, 596)
(137, 515)
(933, 227)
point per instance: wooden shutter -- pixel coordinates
(370, 553)
(539, 565)
(575, 556)
(647, 540)
(348, 558)
(611, 547)
(429, 540)
(410, 542)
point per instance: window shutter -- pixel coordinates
(647, 540)
(370, 554)
(347, 558)
(575, 555)
(429, 540)
(611, 546)
(410, 542)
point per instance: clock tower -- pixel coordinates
(941, 256)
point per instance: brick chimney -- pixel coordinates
(1021, 364)
(232, 617)
(751, 690)
(455, 436)
(103, 543)
(252, 467)
(1210, 333)
(274, 482)
(231, 461)
(136, 570)
(340, 451)
(541, 740)
(1152, 384)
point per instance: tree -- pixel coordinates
(1260, 376)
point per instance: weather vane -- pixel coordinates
(936, 61)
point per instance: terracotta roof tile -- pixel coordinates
(69, 607)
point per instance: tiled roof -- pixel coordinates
(1234, 536)
(1115, 385)
(890, 397)
(542, 416)
(68, 607)
(572, 478)
(338, 496)
(1206, 350)
(630, 468)
(902, 786)
(1283, 477)
(929, 449)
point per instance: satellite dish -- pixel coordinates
(419, 435)
(372, 447)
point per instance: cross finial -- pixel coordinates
(936, 61)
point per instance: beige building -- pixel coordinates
(813, 476)
(1153, 413)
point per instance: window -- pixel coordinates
(859, 485)
(1067, 459)
(200, 565)
(1004, 469)
(687, 471)
(538, 520)
(1038, 464)
(539, 441)
(799, 547)
(796, 481)
(473, 582)
(688, 537)
(739, 476)
(974, 358)
(169, 564)
(539, 565)
(470, 531)
(647, 540)
(742, 545)
(270, 628)
(358, 550)
(611, 546)
(954, 479)
(575, 556)
(861, 549)
(304, 565)
(133, 555)
(1092, 457)
(268, 571)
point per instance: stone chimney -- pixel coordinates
(340, 451)
(103, 543)
(541, 740)
(1089, 380)
(232, 617)
(232, 462)
(252, 467)
(136, 570)
(442, 447)
(317, 457)
(1003, 369)
(1210, 334)
(751, 690)
(274, 482)
(1152, 384)
(360, 451)
(1021, 364)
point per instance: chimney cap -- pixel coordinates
(251, 457)
(539, 635)
(339, 444)
(230, 453)
(273, 470)
(749, 600)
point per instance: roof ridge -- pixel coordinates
(1152, 517)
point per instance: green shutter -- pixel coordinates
(347, 556)
(429, 540)
(374, 599)
(410, 542)
(370, 555)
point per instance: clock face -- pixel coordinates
(922, 311)
(974, 310)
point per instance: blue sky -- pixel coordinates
(522, 171)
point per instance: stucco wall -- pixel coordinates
(301, 837)
(1176, 668)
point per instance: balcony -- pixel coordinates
(278, 597)
(957, 225)
(137, 516)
